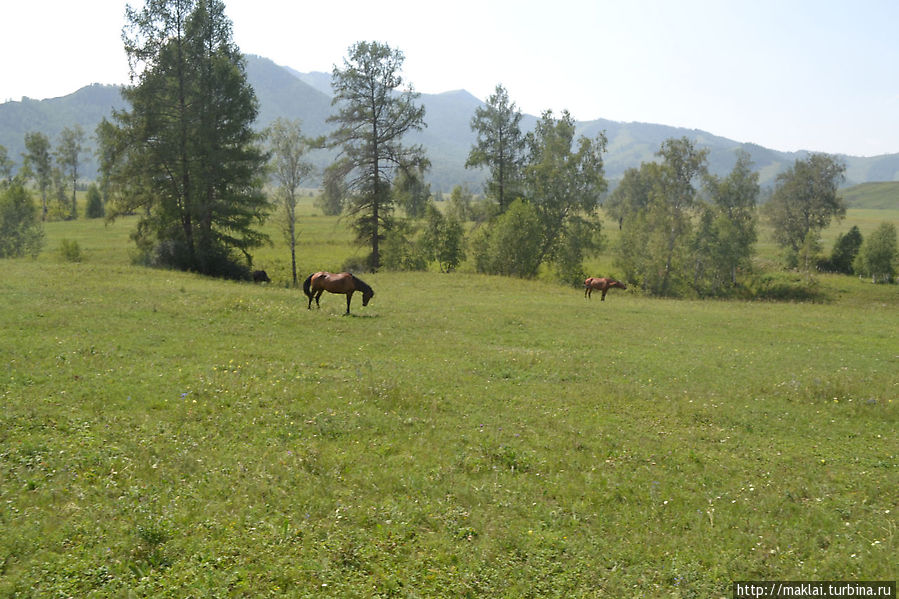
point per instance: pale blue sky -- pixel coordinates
(802, 74)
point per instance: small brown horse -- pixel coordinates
(601, 284)
(317, 283)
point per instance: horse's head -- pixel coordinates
(367, 295)
(618, 284)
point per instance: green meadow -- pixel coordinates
(169, 435)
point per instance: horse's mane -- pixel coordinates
(362, 285)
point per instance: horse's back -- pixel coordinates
(335, 283)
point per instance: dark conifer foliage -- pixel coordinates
(185, 156)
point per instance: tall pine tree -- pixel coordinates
(186, 156)
(373, 115)
(500, 146)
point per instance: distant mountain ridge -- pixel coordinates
(285, 92)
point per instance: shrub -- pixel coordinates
(214, 261)
(399, 251)
(845, 249)
(783, 287)
(878, 255)
(70, 251)
(20, 230)
(95, 207)
(355, 264)
(511, 245)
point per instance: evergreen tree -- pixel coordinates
(187, 154)
(845, 249)
(105, 135)
(500, 146)
(95, 207)
(372, 118)
(334, 193)
(411, 193)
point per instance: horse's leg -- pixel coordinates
(349, 296)
(604, 289)
(586, 291)
(317, 296)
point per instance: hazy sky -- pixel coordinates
(786, 74)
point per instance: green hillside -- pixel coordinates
(169, 435)
(282, 92)
(877, 196)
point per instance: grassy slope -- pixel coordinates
(170, 435)
(883, 195)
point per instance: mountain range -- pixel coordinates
(448, 138)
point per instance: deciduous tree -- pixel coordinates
(443, 238)
(657, 234)
(68, 158)
(39, 165)
(732, 233)
(805, 199)
(289, 168)
(878, 255)
(6, 167)
(564, 181)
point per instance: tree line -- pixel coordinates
(185, 159)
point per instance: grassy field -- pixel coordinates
(168, 435)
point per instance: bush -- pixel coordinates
(511, 245)
(214, 262)
(878, 254)
(845, 249)
(781, 287)
(399, 251)
(443, 239)
(356, 264)
(20, 230)
(95, 207)
(70, 251)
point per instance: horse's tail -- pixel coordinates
(307, 286)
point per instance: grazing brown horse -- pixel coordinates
(317, 283)
(601, 284)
